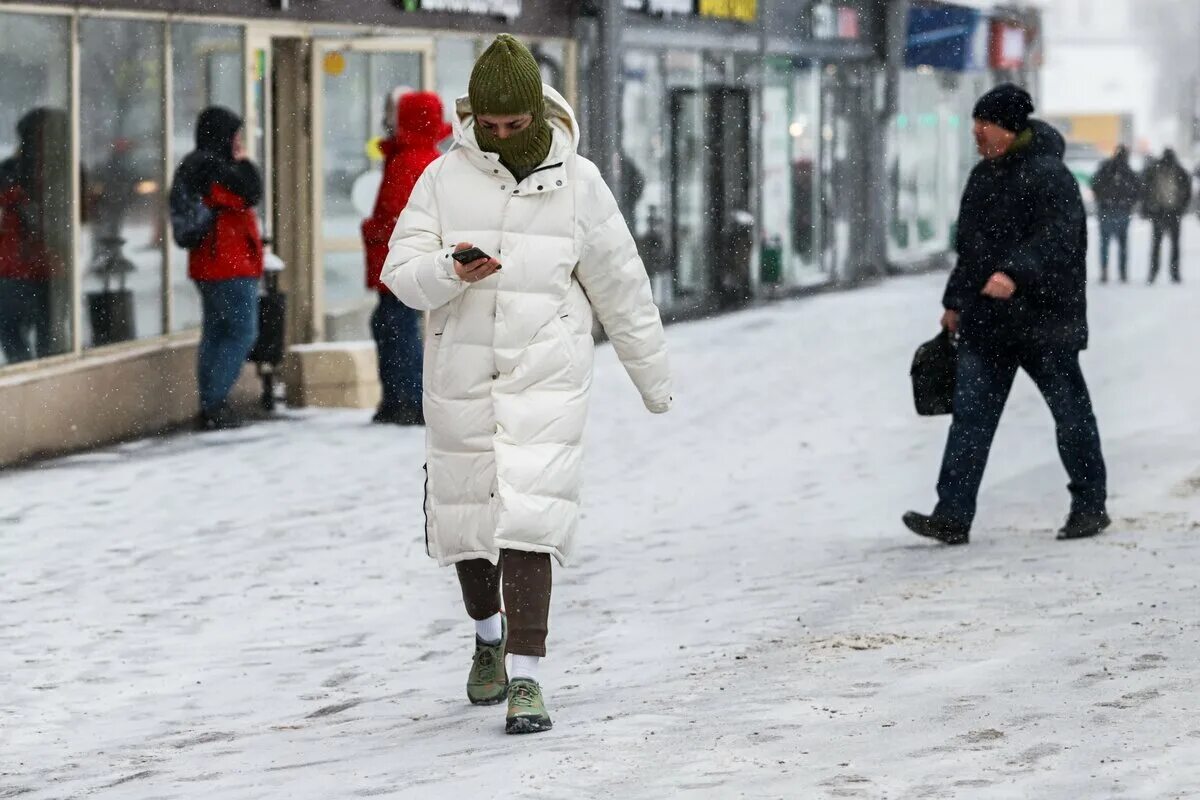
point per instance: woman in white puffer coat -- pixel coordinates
(508, 354)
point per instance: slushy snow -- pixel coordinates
(251, 614)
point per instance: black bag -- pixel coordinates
(272, 322)
(934, 370)
(191, 218)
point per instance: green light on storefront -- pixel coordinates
(902, 121)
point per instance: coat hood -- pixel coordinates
(420, 118)
(558, 112)
(215, 130)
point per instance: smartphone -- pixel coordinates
(469, 255)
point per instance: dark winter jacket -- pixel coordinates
(234, 247)
(1167, 189)
(28, 197)
(1117, 187)
(1022, 214)
(420, 125)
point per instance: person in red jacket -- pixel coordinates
(228, 262)
(420, 125)
(29, 261)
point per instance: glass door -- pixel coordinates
(352, 81)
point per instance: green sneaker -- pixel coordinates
(487, 684)
(526, 709)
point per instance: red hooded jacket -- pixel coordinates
(419, 128)
(234, 246)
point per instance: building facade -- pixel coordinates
(98, 101)
(757, 148)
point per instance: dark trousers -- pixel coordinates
(1168, 226)
(526, 581)
(24, 319)
(396, 329)
(985, 378)
(228, 328)
(1114, 226)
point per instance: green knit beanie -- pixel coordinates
(506, 80)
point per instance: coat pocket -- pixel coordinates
(566, 339)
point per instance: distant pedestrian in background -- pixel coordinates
(1017, 299)
(1117, 188)
(212, 213)
(1167, 192)
(417, 125)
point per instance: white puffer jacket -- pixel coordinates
(508, 360)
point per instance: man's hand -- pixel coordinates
(474, 271)
(950, 320)
(999, 287)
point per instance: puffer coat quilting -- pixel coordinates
(508, 360)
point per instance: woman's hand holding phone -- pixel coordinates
(476, 269)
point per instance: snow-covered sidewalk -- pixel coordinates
(251, 614)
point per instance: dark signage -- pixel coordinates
(942, 37)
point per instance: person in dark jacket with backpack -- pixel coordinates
(1117, 188)
(1168, 191)
(1017, 299)
(212, 210)
(419, 124)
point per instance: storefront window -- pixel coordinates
(356, 87)
(121, 144)
(455, 60)
(552, 60)
(642, 193)
(925, 155)
(35, 188)
(805, 133)
(688, 147)
(208, 70)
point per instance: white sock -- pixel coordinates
(489, 630)
(524, 667)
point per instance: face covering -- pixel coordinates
(523, 152)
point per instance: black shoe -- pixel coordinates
(1083, 526)
(222, 419)
(398, 416)
(942, 530)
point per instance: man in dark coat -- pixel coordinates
(1017, 299)
(1168, 191)
(1117, 188)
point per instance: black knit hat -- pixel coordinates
(1008, 106)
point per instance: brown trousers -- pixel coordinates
(525, 578)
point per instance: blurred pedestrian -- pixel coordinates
(1017, 299)
(213, 198)
(28, 259)
(1168, 192)
(508, 362)
(1118, 189)
(417, 126)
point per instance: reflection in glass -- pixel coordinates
(121, 144)
(207, 70)
(35, 188)
(642, 193)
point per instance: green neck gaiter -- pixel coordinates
(521, 153)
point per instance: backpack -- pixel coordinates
(191, 218)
